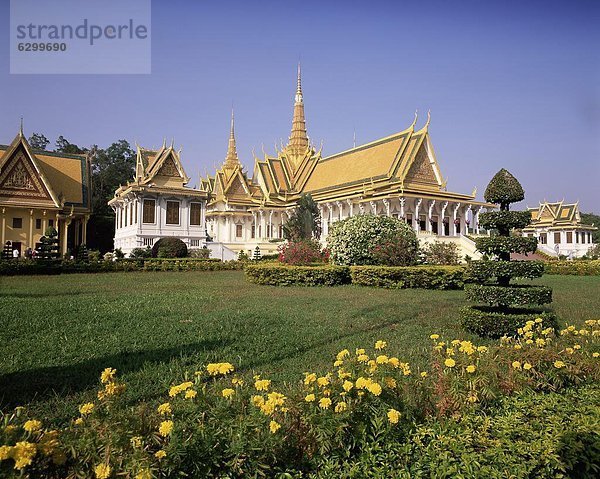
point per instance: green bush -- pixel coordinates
(504, 219)
(480, 271)
(515, 295)
(426, 277)
(579, 268)
(504, 189)
(141, 253)
(494, 245)
(441, 252)
(203, 253)
(356, 241)
(494, 322)
(169, 247)
(275, 274)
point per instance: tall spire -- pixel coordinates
(298, 138)
(231, 160)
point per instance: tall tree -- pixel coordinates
(592, 219)
(38, 141)
(64, 146)
(305, 221)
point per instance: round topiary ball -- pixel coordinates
(504, 189)
(169, 248)
(369, 240)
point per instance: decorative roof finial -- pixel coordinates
(231, 159)
(415, 120)
(298, 140)
(428, 118)
(21, 127)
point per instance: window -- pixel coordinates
(253, 231)
(195, 214)
(149, 211)
(280, 231)
(148, 241)
(268, 231)
(434, 224)
(447, 226)
(172, 212)
(131, 214)
(238, 231)
(195, 242)
(557, 237)
(409, 218)
(569, 236)
(17, 223)
(543, 238)
(38, 224)
(422, 223)
(51, 223)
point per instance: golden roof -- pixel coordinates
(556, 214)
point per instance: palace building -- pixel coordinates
(157, 203)
(559, 229)
(41, 189)
(397, 175)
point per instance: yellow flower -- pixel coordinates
(86, 408)
(348, 385)
(342, 354)
(360, 351)
(577, 346)
(517, 346)
(424, 374)
(482, 349)
(450, 363)
(383, 359)
(258, 401)
(379, 345)
(472, 397)
(160, 454)
(324, 403)
(538, 320)
(102, 471)
(471, 368)
(516, 365)
(434, 337)
(5, 452)
(32, 425)
(144, 474)
(527, 366)
(219, 368)
(309, 398)
(23, 453)
(107, 375)
(165, 428)
(323, 381)
(393, 416)
(262, 384)
(374, 388)
(175, 390)
(309, 378)
(136, 442)
(341, 407)
(227, 392)
(164, 409)
(361, 383)
(338, 363)
(274, 426)
(595, 355)
(363, 358)
(394, 362)
(191, 394)
(569, 350)
(390, 382)
(559, 364)
(237, 382)
(78, 421)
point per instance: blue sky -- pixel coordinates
(509, 84)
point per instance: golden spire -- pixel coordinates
(231, 160)
(298, 138)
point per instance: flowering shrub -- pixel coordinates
(370, 240)
(439, 252)
(215, 423)
(302, 252)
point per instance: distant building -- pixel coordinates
(41, 189)
(559, 229)
(397, 176)
(158, 204)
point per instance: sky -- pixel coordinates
(509, 84)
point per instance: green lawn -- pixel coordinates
(59, 332)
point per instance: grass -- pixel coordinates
(59, 332)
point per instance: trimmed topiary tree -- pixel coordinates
(372, 240)
(169, 247)
(507, 306)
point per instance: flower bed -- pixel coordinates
(277, 274)
(214, 423)
(426, 277)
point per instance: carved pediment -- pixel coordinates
(20, 178)
(169, 168)
(421, 170)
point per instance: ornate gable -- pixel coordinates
(20, 178)
(169, 168)
(421, 171)
(236, 187)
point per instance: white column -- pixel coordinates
(340, 210)
(441, 228)
(271, 235)
(373, 207)
(361, 208)
(454, 215)
(477, 219)
(416, 218)
(430, 216)
(350, 207)
(386, 203)
(402, 201)
(468, 210)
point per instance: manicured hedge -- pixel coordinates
(579, 268)
(494, 322)
(426, 277)
(277, 274)
(516, 295)
(43, 267)
(480, 271)
(504, 219)
(502, 244)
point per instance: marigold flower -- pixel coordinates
(379, 345)
(472, 397)
(338, 363)
(274, 426)
(144, 474)
(78, 421)
(383, 359)
(215, 369)
(165, 428)
(227, 392)
(518, 346)
(595, 355)
(516, 365)
(569, 350)
(160, 454)
(32, 425)
(449, 363)
(527, 366)
(237, 382)
(309, 378)
(136, 442)
(341, 407)
(23, 453)
(395, 362)
(559, 364)
(360, 351)
(347, 386)
(361, 382)
(324, 403)
(175, 390)
(424, 374)
(363, 358)
(482, 349)
(107, 375)
(309, 398)
(471, 368)
(5, 452)
(323, 381)
(191, 394)
(393, 416)
(164, 409)
(374, 388)
(342, 354)
(86, 408)
(262, 384)
(102, 471)
(390, 382)
(434, 337)
(258, 401)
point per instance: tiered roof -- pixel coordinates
(556, 215)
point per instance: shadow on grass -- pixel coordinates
(24, 386)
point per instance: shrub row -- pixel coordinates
(38, 267)
(579, 268)
(276, 274)
(494, 220)
(516, 295)
(426, 277)
(493, 245)
(480, 271)
(492, 322)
